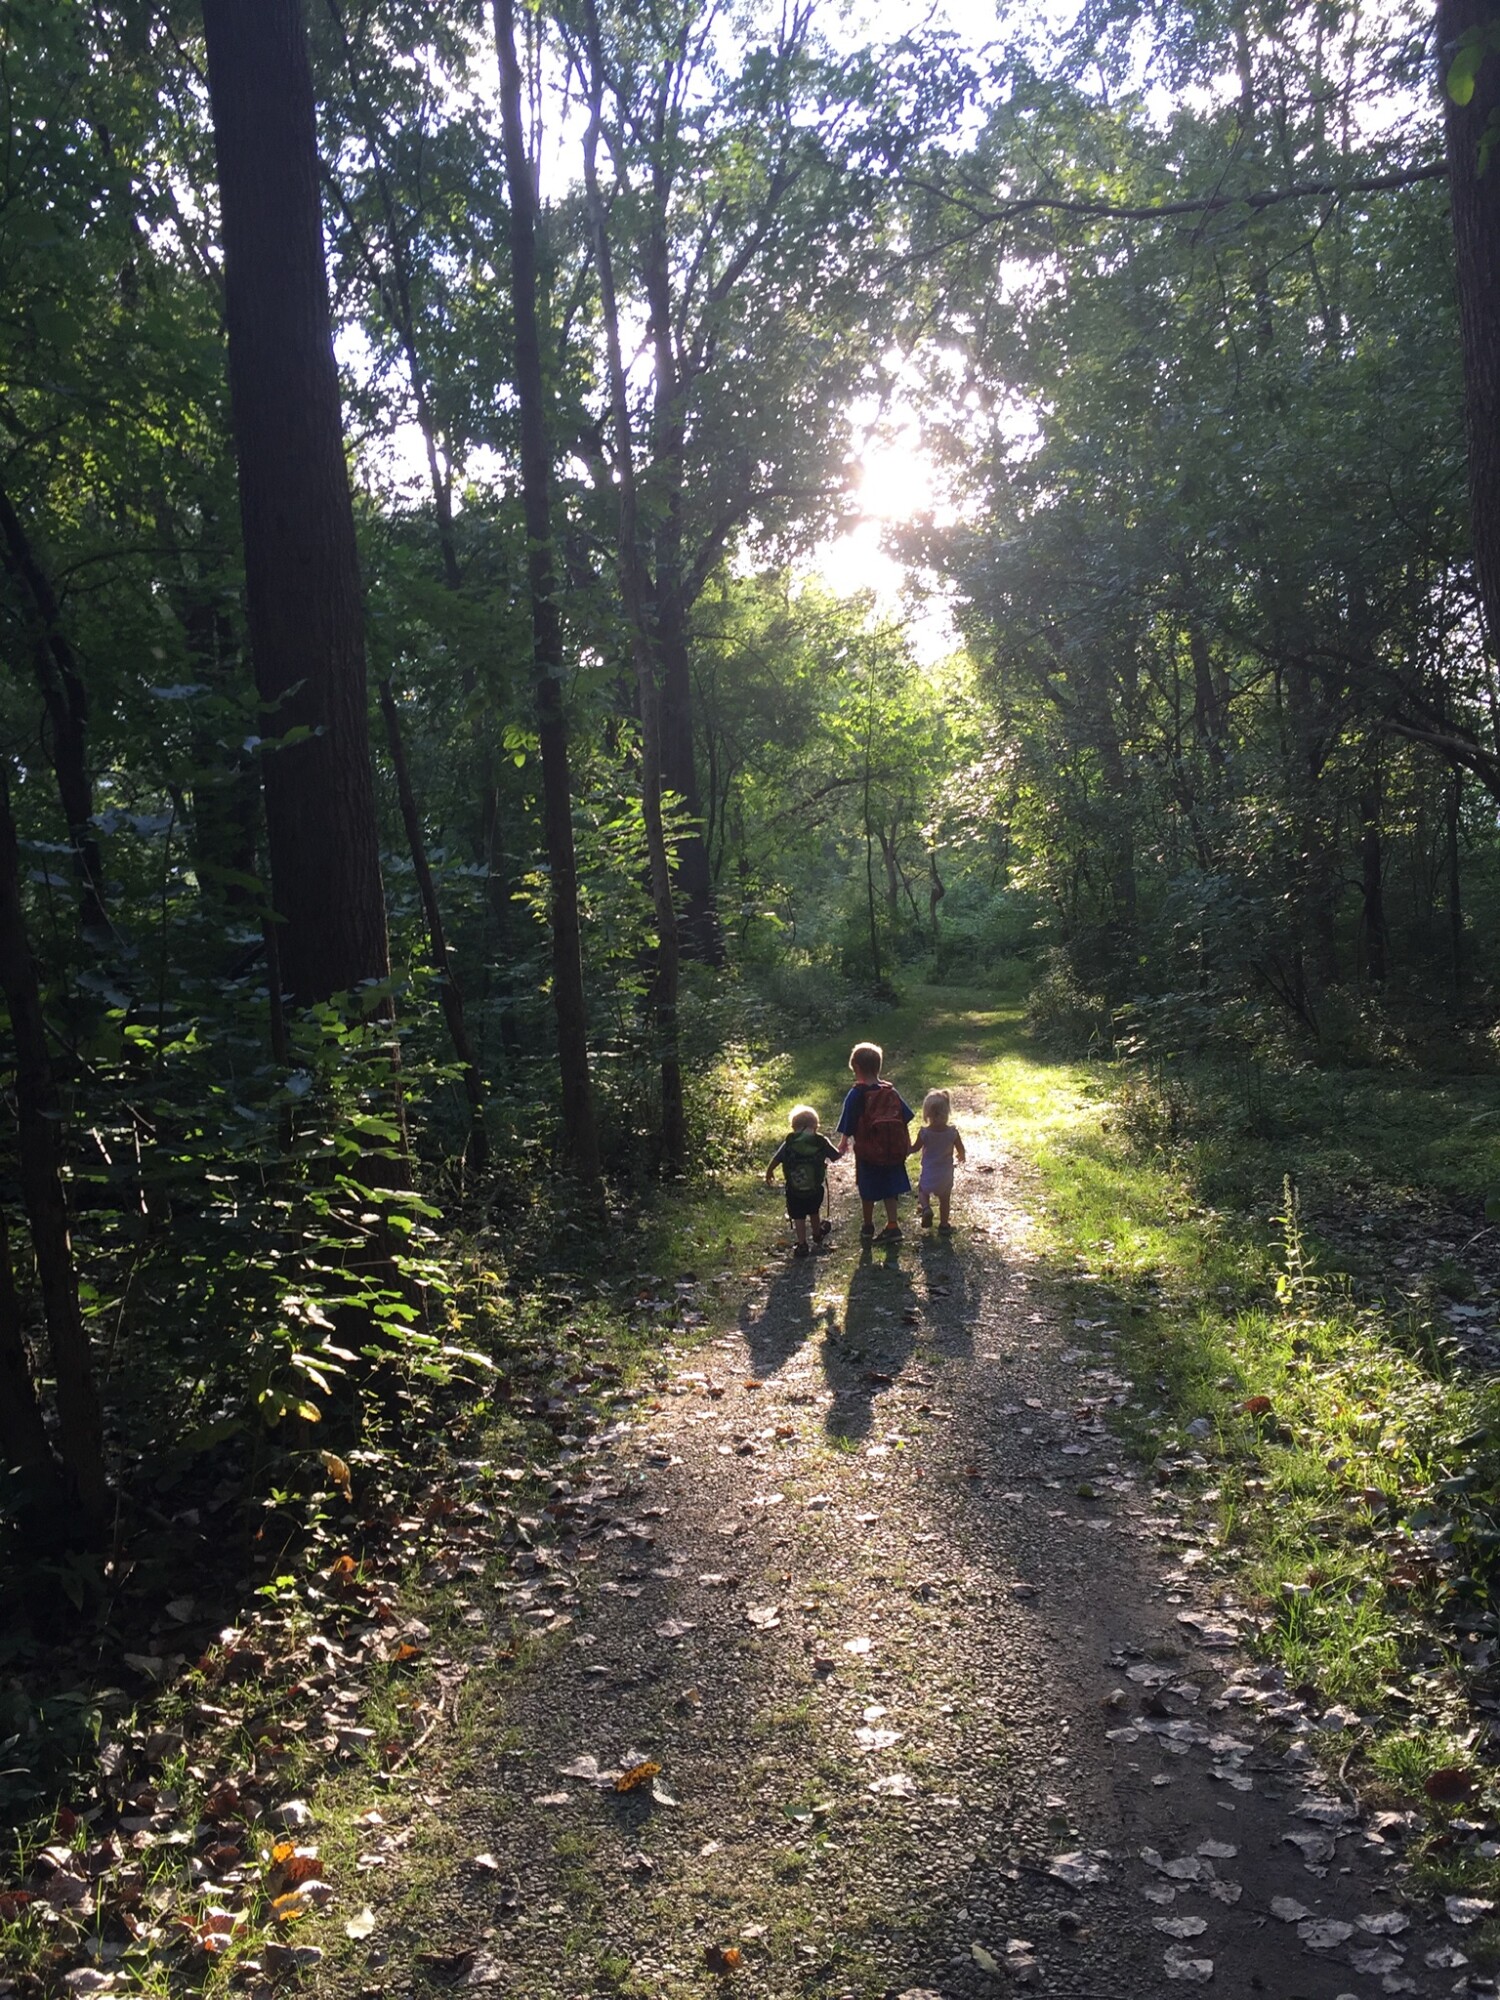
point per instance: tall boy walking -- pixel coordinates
(876, 1119)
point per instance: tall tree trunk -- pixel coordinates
(1372, 874)
(580, 1133)
(667, 973)
(23, 1432)
(1124, 894)
(67, 711)
(1452, 818)
(1475, 202)
(700, 932)
(450, 997)
(302, 584)
(39, 1127)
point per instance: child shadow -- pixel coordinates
(879, 1331)
(786, 1319)
(948, 1293)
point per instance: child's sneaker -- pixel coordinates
(945, 1229)
(799, 1249)
(927, 1218)
(891, 1233)
(867, 1230)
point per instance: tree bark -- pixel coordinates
(700, 932)
(23, 1431)
(39, 1127)
(668, 969)
(66, 703)
(1475, 202)
(450, 995)
(1372, 874)
(580, 1132)
(302, 584)
(1453, 817)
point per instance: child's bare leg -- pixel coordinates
(890, 1213)
(869, 1209)
(799, 1224)
(945, 1200)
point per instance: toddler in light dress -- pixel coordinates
(940, 1144)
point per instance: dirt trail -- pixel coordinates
(876, 1589)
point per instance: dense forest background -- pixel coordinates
(438, 768)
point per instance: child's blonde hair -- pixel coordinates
(865, 1058)
(804, 1118)
(936, 1106)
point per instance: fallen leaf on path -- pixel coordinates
(361, 1926)
(897, 1786)
(486, 1864)
(857, 1646)
(675, 1628)
(1076, 1869)
(1379, 1958)
(586, 1768)
(1385, 1923)
(1313, 1847)
(1217, 1850)
(1180, 1927)
(1288, 1909)
(721, 1958)
(1450, 1787)
(763, 1617)
(1193, 1971)
(636, 1775)
(1446, 1958)
(1467, 1909)
(1323, 1933)
(447, 1966)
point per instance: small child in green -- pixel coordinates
(803, 1157)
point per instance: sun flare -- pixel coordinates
(895, 479)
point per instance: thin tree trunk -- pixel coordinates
(23, 1431)
(1475, 203)
(1372, 874)
(874, 923)
(700, 931)
(667, 974)
(302, 584)
(39, 1127)
(67, 712)
(449, 995)
(1455, 885)
(580, 1133)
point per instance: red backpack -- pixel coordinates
(882, 1138)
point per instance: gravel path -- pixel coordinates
(873, 1586)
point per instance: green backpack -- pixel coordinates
(804, 1163)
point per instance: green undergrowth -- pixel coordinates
(1313, 1402)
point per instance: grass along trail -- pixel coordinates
(942, 1690)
